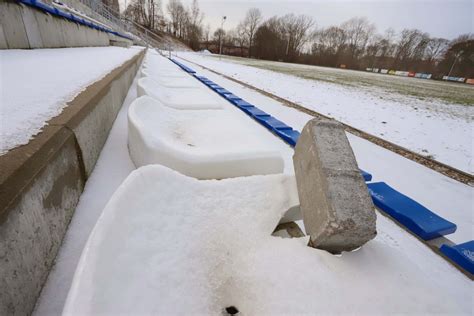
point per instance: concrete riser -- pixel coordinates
(23, 27)
(38, 198)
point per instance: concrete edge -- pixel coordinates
(21, 164)
(41, 183)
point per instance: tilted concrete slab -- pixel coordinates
(205, 144)
(337, 210)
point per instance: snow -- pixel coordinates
(447, 197)
(177, 82)
(212, 258)
(170, 245)
(182, 99)
(36, 85)
(427, 126)
(212, 144)
(112, 168)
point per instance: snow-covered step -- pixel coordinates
(167, 244)
(205, 144)
(177, 82)
(180, 98)
(165, 73)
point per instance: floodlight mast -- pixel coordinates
(220, 37)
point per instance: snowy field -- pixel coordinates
(36, 84)
(392, 274)
(432, 118)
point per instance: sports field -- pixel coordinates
(421, 88)
(432, 118)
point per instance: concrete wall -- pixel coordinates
(22, 27)
(41, 183)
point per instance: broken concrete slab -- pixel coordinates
(338, 212)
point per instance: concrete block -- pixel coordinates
(12, 24)
(337, 210)
(32, 27)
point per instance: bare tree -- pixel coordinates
(242, 38)
(218, 35)
(250, 25)
(145, 12)
(206, 34)
(411, 46)
(174, 8)
(297, 29)
(358, 31)
(436, 48)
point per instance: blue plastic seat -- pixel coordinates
(462, 255)
(257, 112)
(222, 91)
(288, 135)
(241, 103)
(231, 96)
(414, 216)
(272, 123)
(367, 176)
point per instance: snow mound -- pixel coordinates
(167, 244)
(205, 52)
(180, 98)
(205, 144)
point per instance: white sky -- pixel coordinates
(440, 18)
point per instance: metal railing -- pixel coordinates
(101, 12)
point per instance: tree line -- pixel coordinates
(353, 44)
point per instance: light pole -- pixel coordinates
(454, 62)
(220, 37)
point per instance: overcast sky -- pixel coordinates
(440, 18)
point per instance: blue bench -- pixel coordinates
(241, 103)
(257, 112)
(414, 216)
(231, 97)
(183, 66)
(222, 91)
(272, 123)
(462, 255)
(367, 176)
(288, 135)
